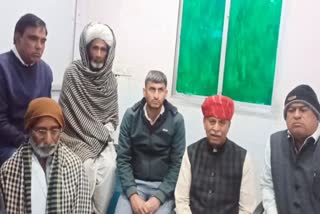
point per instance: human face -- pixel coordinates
(155, 94)
(98, 53)
(45, 136)
(216, 130)
(31, 44)
(301, 121)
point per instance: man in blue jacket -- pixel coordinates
(23, 77)
(151, 146)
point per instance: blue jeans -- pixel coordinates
(146, 189)
(6, 152)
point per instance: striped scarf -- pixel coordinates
(68, 190)
(89, 100)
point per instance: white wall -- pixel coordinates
(146, 38)
(59, 18)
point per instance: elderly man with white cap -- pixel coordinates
(291, 177)
(216, 174)
(89, 102)
(44, 175)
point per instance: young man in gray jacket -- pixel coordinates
(151, 146)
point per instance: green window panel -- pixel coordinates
(200, 46)
(251, 50)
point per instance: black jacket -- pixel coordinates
(150, 153)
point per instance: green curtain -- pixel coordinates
(200, 46)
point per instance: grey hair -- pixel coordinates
(156, 77)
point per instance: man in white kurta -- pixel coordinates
(216, 175)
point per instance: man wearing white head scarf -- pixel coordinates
(90, 105)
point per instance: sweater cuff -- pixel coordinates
(131, 190)
(161, 196)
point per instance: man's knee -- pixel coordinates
(166, 208)
(123, 205)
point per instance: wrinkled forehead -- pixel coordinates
(34, 30)
(98, 43)
(46, 121)
(215, 119)
(155, 84)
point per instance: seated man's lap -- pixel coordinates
(145, 189)
(101, 173)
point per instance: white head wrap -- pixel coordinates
(99, 31)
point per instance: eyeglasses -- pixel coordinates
(41, 132)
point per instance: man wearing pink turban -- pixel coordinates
(216, 175)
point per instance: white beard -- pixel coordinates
(43, 150)
(96, 65)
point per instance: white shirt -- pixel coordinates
(268, 196)
(15, 51)
(247, 201)
(152, 122)
(39, 185)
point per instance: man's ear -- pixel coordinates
(144, 92)
(16, 37)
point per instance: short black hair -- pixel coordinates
(28, 20)
(156, 77)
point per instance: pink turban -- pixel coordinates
(218, 106)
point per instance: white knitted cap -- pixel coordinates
(99, 31)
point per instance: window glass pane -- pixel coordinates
(200, 46)
(251, 50)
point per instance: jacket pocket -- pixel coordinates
(316, 184)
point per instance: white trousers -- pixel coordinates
(101, 174)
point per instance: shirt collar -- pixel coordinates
(16, 53)
(218, 148)
(316, 134)
(148, 118)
